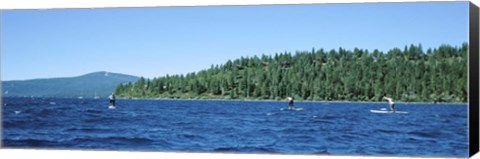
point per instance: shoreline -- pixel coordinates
(249, 100)
(271, 100)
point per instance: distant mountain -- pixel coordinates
(99, 84)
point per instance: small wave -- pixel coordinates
(115, 140)
(98, 119)
(304, 139)
(385, 152)
(21, 123)
(427, 134)
(201, 112)
(50, 111)
(309, 129)
(320, 121)
(321, 151)
(389, 131)
(458, 145)
(226, 149)
(333, 138)
(190, 136)
(447, 121)
(328, 117)
(27, 143)
(413, 139)
(287, 130)
(87, 130)
(132, 139)
(417, 140)
(457, 116)
(245, 149)
(344, 138)
(181, 123)
(91, 111)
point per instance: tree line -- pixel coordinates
(408, 75)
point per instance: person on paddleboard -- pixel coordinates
(391, 103)
(112, 99)
(290, 103)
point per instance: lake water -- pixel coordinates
(236, 127)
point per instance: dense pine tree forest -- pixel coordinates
(408, 75)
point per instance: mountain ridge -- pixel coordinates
(100, 83)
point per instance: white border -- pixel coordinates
(76, 154)
(80, 154)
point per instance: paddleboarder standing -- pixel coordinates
(290, 103)
(391, 103)
(112, 99)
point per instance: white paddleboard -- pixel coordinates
(297, 109)
(388, 111)
(111, 107)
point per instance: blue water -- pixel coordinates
(235, 126)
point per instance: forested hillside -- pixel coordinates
(409, 75)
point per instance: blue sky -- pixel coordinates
(153, 42)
